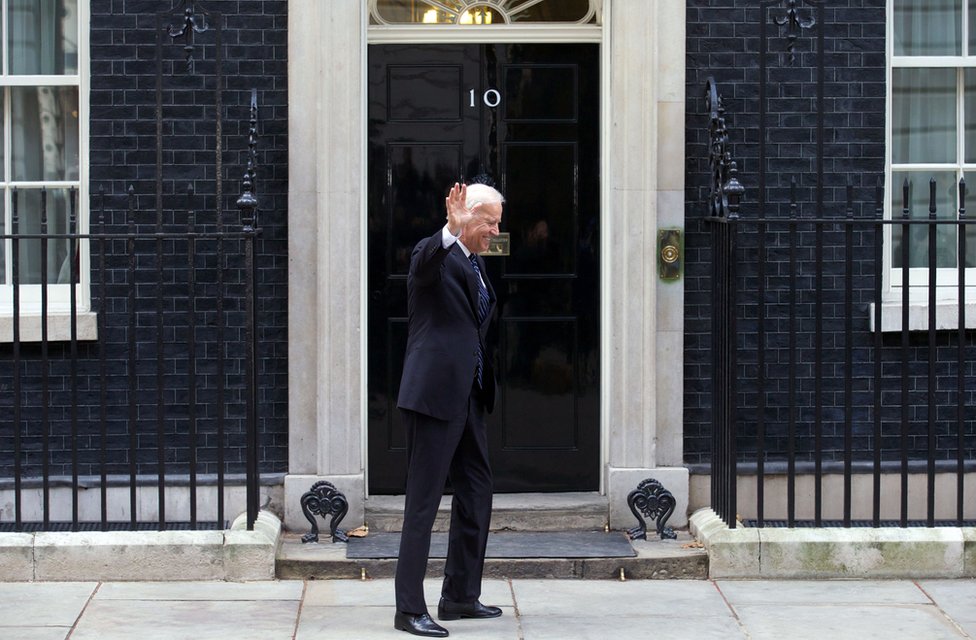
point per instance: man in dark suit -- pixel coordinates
(448, 385)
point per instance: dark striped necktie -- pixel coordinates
(482, 314)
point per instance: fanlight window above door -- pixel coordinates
(482, 12)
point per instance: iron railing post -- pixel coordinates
(792, 382)
(72, 270)
(731, 365)
(961, 360)
(102, 367)
(18, 398)
(133, 379)
(724, 201)
(248, 205)
(848, 354)
(879, 232)
(45, 367)
(905, 406)
(930, 387)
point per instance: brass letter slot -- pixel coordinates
(501, 245)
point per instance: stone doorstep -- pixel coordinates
(804, 553)
(656, 559)
(236, 554)
(510, 512)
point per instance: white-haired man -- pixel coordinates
(447, 387)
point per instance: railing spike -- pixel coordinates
(879, 196)
(793, 203)
(905, 207)
(726, 190)
(962, 198)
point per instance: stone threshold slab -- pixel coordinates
(799, 553)
(510, 511)
(508, 544)
(655, 559)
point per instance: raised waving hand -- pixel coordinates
(458, 213)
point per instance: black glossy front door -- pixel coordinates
(528, 116)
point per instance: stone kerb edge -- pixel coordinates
(939, 552)
(862, 553)
(127, 555)
(236, 555)
(16, 557)
(732, 553)
(250, 555)
(969, 552)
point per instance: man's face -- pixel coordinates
(479, 232)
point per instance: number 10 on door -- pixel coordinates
(492, 98)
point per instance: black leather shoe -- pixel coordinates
(421, 625)
(448, 610)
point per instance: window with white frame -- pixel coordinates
(932, 136)
(41, 146)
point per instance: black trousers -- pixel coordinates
(438, 450)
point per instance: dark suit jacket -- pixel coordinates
(443, 332)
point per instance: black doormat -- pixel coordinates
(508, 544)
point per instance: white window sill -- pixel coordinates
(946, 316)
(58, 327)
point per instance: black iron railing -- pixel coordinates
(163, 399)
(818, 370)
(76, 411)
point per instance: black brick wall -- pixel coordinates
(123, 154)
(723, 41)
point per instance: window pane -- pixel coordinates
(399, 11)
(923, 115)
(970, 215)
(32, 254)
(928, 27)
(3, 244)
(44, 144)
(971, 245)
(946, 203)
(972, 27)
(554, 11)
(2, 155)
(43, 36)
(970, 115)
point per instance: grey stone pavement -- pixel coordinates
(533, 609)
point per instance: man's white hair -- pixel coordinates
(478, 192)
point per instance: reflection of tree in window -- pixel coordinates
(42, 40)
(929, 139)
